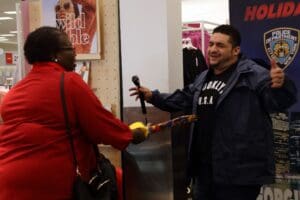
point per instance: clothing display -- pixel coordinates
(35, 154)
(196, 38)
(194, 32)
(193, 59)
(193, 64)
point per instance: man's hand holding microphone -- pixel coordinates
(140, 130)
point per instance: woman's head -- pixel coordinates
(66, 7)
(49, 44)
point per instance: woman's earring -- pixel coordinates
(55, 60)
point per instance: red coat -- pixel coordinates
(35, 156)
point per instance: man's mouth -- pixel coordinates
(213, 56)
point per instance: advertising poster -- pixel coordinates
(83, 68)
(79, 19)
(270, 30)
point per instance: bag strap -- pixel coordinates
(68, 128)
(67, 123)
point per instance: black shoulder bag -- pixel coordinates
(102, 184)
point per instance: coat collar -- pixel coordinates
(244, 65)
(40, 66)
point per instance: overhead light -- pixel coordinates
(7, 35)
(10, 12)
(15, 32)
(3, 39)
(5, 18)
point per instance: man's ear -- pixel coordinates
(236, 50)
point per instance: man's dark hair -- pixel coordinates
(233, 33)
(42, 44)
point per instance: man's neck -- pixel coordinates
(223, 68)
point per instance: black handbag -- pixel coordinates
(102, 184)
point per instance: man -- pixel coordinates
(230, 152)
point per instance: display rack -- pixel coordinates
(202, 28)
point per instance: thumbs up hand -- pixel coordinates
(276, 74)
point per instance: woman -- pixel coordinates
(35, 156)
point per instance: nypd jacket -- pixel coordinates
(242, 144)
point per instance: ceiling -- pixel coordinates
(8, 25)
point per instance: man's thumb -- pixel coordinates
(273, 64)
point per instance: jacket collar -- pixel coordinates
(244, 65)
(38, 66)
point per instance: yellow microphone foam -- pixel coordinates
(139, 125)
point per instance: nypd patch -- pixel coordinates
(282, 44)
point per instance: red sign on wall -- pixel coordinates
(9, 58)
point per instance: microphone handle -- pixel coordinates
(136, 82)
(142, 100)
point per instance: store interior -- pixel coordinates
(154, 47)
(8, 43)
(11, 48)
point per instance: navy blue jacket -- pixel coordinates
(242, 145)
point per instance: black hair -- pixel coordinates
(233, 33)
(76, 9)
(42, 44)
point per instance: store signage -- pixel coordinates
(277, 193)
(272, 10)
(9, 58)
(270, 30)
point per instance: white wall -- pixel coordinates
(174, 44)
(150, 45)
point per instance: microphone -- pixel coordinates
(135, 79)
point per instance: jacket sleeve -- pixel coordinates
(277, 99)
(180, 100)
(98, 124)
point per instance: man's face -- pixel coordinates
(64, 7)
(220, 51)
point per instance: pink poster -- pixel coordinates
(79, 19)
